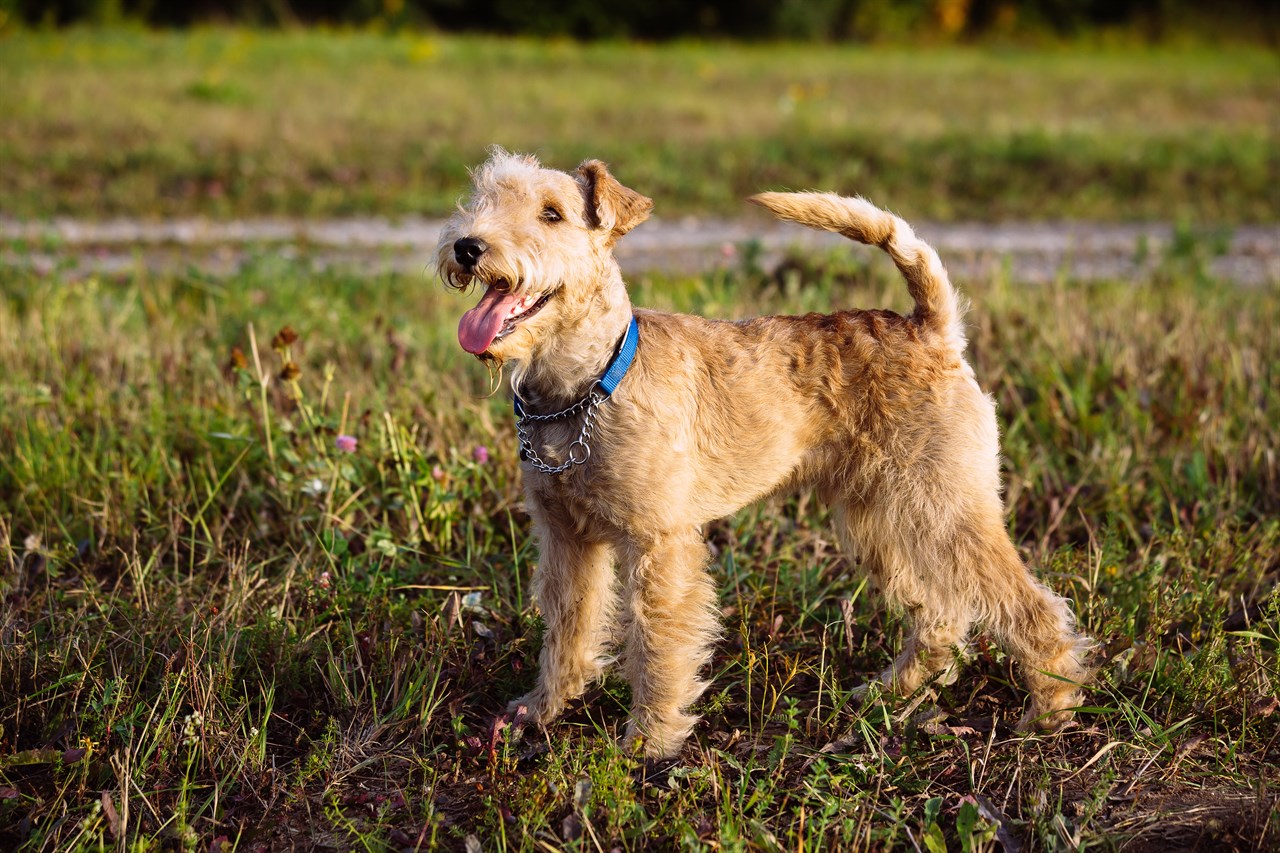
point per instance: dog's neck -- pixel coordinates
(565, 367)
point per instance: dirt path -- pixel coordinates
(1031, 252)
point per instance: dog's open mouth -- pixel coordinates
(497, 314)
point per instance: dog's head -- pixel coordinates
(540, 243)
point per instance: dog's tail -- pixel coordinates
(937, 305)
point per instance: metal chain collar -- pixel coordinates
(580, 449)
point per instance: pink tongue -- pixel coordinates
(478, 326)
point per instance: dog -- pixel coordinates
(638, 427)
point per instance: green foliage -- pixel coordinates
(219, 625)
(310, 123)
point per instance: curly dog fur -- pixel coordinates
(877, 412)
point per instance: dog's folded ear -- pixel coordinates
(610, 205)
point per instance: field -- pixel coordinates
(219, 629)
(235, 122)
(219, 626)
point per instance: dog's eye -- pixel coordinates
(550, 214)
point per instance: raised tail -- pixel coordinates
(937, 305)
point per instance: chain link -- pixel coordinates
(579, 450)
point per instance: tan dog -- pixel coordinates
(878, 412)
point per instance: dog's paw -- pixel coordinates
(867, 691)
(659, 737)
(531, 709)
(1049, 719)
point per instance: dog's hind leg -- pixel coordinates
(931, 653)
(671, 620)
(574, 587)
(938, 618)
(967, 570)
(1038, 628)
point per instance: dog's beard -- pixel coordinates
(520, 368)
(493, 364)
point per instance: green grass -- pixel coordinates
(216, 628)
(239, 122)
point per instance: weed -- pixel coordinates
(264, 589)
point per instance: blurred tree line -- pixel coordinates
(664, 19)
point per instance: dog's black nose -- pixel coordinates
(468, 250)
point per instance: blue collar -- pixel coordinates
(613, 374)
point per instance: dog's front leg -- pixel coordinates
(574, 588)
(671, 619)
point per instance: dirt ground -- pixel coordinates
(1031, 252)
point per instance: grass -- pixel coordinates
(236, 122)
(219, 631)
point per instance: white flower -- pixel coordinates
(190, 725)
